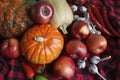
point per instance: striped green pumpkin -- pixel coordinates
(14, 17)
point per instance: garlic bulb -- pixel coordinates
(93, 69)
(96, 59)
(81, 63)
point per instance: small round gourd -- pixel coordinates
(42, 44)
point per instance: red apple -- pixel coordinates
(96, 43)
(42, 12)
(76, 49)
(80, 29)
(64, 67)
(10, 48)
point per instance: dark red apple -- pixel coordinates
(10, 48)
(76, 49)
(96, 43)
(80, 29)
(64, 67)
(42, 12)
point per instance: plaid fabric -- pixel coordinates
(113, 7)
(11, 69)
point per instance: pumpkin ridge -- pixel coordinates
(48, 58)
(39, 53)
(9, 28)
(46, 31)
(48, 34)
(13, 18)
(16, 12)
(35, 47)
(52, 49)
(41, 49)
(30, 51)
(27, 47)
(33, 59)
(4, 22)
(42, 52)
(49, 30)
(45, 52)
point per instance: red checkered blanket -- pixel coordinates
(11, 69)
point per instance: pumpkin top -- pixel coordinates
(42, 44)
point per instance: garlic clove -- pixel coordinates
(83, 9)
(93, 69)
(95, 60)
(76, 17)
(74, 8)
(81, 63)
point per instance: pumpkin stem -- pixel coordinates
(39, 39)
(63, 28)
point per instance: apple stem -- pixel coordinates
(63, 28)
(39, 39)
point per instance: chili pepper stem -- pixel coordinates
(42, 69)
(31, 78)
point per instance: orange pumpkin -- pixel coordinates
(42, 44)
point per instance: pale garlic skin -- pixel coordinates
(82, 63)
(97, 59)
(93, 69)
(85, 18)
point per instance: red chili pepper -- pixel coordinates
(98, 25)
(107, 23)
(38, 68)
(27, 70)
(97, 14)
